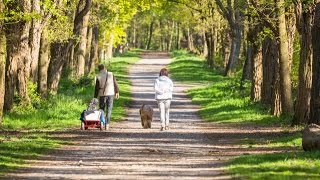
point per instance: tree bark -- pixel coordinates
(35, 36)
(276, 103)
(171, 36)
(305, 17)
(285, 79)
(2, 68)
(44, 60)
(18, 54)
(257, 72)
(315, 89)
(234, 13)
(178, 36)
(210, 47)
(226, 47)
(256, 59)
(270, 94)
(235, 50)
(88, 51)
(150, 35)
(110, 46)
(94, 55)
(57, 61)
(81, 47)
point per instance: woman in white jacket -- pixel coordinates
(163, 88)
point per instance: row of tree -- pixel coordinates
(42, 40)
(265, 39)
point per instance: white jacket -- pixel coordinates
(163, 88)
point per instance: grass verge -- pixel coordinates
(23, 134)
(220, 97)
(222, 102)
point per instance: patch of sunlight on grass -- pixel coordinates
(220, 97)
(283, 139)
(289, 165)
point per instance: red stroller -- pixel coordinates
(92, 117)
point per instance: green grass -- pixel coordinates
(287, 165)
(220, 97)
(222, 102)
(23, 133)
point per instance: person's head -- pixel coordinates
(101, 67)
(163, 72)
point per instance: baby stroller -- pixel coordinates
(92, 117)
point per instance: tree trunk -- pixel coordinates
(2, 69)
(247, 67)
(35, 36)
(44, 60)
(226, 47)
(110, 46)
(150, 35)
(171, 36)
(205, 45)
(88, 51)
(80, 49)
(18, 55)
(315, 89)
(190, 41)
(255, 54)
(235, 50)
(210, 45)
(57, 61)
(276, 103)
(285, 79)
(178, 36)
(270, 94)
(134, 34)
(94, 55)
(305, 17)
(257, 72)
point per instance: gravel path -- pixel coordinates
(191, 149)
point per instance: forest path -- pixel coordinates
(191, 149)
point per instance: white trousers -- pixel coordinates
(164, 107)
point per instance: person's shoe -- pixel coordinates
(162, 129)
(167, 128)
(107, 127)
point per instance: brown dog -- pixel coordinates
(146, 114)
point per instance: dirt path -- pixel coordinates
(191, 149)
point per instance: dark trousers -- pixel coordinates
(106, 104)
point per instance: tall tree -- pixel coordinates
(44, 60)
(305, 20)
(234, 13)
(315, 89)
(2, 64)
(18, 51)
(285, 79)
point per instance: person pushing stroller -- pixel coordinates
(106, 88)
